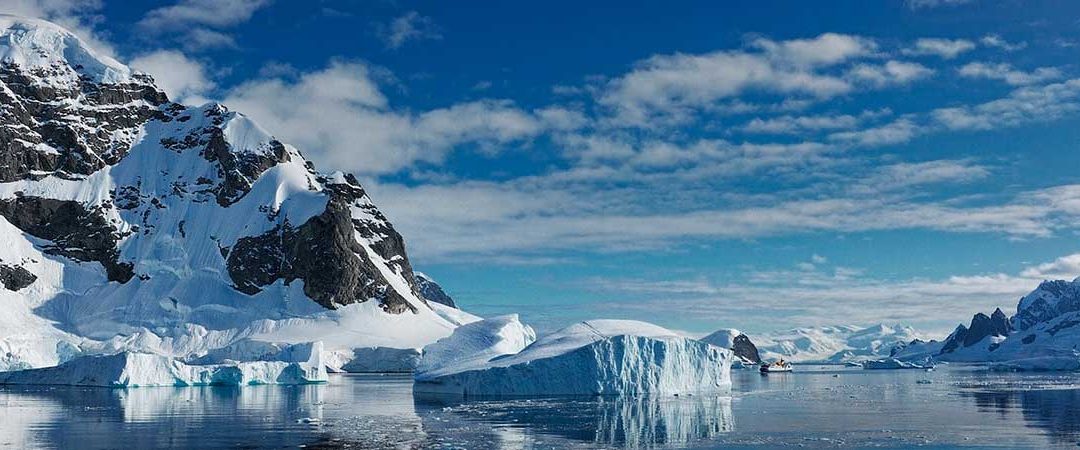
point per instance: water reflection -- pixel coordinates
(1048, 408)
(68, 417)
(631, 422)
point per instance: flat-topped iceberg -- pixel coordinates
(597, 357)
(303, 365)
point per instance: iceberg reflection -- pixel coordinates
(631, 422)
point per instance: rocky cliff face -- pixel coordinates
(431, 290)
(124, 212)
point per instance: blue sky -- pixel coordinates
(758, 165)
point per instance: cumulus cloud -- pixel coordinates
(1009, 74)
(890, 73)
(945, 48)
(197, 24)
(184, 79)
(409, 27)
(340, 118)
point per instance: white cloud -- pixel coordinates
(796, 125)
(995, 41)
(674, 86)
(945, 48)
(182, 78)
(196, 24)
(340, 118)
(1007, 73)
(890, 73)
(409, 27)
(895, 132)
(1023, 105)
(212, 13)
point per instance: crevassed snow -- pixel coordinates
(129, 369)
(590, 358)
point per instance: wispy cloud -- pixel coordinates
(1009, 74)
(407, 28)
(945, 48)
(199, 24)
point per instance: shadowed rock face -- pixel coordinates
(981, 326)
(324, 252)
(73, 231)
(745, 349)
(433, 292)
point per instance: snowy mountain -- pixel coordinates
(132, 223)
(834, 344)
(1043, 334)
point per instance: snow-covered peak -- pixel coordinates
(839, 343)
(34, 44)
(1049, 300)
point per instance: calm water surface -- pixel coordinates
(828, 407)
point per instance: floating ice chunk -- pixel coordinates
(142, 369)
(588, 358)
(893, 363)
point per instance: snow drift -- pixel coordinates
(597, 357)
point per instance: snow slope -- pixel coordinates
(598, 357)
(134, 224)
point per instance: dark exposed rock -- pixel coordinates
(15, 278)
(981, 326)
(745, 349)
(431, 291)
(239, 169)
(323, 252)
(73, 231)
(46, 128)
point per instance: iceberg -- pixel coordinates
(596, 357)
(129, 369)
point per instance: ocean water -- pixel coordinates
(814, 407)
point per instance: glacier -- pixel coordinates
(596, 357)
